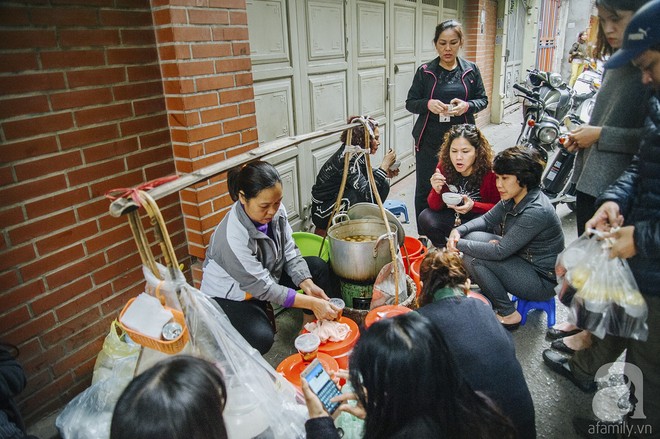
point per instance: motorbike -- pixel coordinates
(546, 105)
(585, 89)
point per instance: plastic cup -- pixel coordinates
(339, 303)
(308, 346)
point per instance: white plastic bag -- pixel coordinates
(88, 415)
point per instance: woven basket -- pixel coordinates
(358, 315)
(165, 346)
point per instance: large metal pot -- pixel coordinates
(359, 261)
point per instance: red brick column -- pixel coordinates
(480, 44)
(206, 69)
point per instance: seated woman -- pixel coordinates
(358, 189)
(482, 347)
(187, 392)
(513, 247)
(466, 161)
(252, 259)
(408, 385)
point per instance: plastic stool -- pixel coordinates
(397, 208)
(524, 306)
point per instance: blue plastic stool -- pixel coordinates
(524, 306)
(397, 208)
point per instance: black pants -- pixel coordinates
(437, 224)
(426, 160)
(251, 317)
(585, 208)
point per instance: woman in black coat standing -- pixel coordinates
(446, 91)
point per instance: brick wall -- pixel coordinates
(480, 45)
(206, 68)
(82, 110)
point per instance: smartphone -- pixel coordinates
(395, 165)
(321, 384)
(447, 116)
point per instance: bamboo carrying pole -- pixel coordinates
(372, 182)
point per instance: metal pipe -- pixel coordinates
(123, 206)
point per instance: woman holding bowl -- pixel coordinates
(465, 172)
(513, 247)
(446, 91)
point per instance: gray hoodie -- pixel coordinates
(240, 259)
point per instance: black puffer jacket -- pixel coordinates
(357, 190)
(637, 192)
(425, 85)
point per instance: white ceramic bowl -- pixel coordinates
(452, 198)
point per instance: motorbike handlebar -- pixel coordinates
(526, 91)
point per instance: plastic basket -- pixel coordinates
(309, 245)
(165, 346)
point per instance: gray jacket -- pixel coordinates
(620, 109)
(240, 259)
(530, 230)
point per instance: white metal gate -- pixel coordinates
(316, 62)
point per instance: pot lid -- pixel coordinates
(371, 210)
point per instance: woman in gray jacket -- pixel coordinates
(513, 247)
(252, 260)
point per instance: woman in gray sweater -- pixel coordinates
(513, 247)
(606, 144)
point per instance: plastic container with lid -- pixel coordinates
(307, 345)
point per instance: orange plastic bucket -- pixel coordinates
(416, 250)
(341, 350)
(383, 312)
(414, 274)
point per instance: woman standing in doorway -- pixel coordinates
(446, 91)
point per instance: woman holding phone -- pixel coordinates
(407, 385)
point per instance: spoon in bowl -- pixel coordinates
(452, 188)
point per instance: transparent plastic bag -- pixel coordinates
(88, 415)
(110, 360)
(606, 298)
(261, 402)
(384, 292)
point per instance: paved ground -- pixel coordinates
(556, 399)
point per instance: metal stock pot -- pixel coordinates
(359, 261)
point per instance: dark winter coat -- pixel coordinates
(421, 91)
(12, 382)
(637, 192)
(357, 190)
